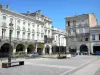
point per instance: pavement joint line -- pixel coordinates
(97, 72)
(56, 66)
(69, 72)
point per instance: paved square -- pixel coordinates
(47, 66)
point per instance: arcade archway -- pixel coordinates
(83, 48)
(4, 51)
(30, 48)
(20, 47)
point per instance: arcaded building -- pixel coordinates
(28, 32)
(81, 30)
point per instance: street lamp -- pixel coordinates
(10, 51)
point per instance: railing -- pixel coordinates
(19, 39)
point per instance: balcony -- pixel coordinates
(72, 35)
(4, 38)
(48, 39)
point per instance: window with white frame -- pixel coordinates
(11, 20)
(24, 23)
(18, 33)
(28, 24)
(28, 36)
(99, 36)
(41, 35)
(32, 36)
(4, 20)
(93, 36)
(23, 35)
(18, 21)
(3, 33)
(4, 17)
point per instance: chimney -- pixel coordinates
(28, 12)
(0, 6)
(7, 6)
(39, 11)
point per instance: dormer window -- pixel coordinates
(18, 21)
(11, 20)
(74, 23)
(4, 17)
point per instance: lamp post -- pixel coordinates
(10, 51)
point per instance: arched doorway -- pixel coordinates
(30, 48)
(4, 51)
(20, 47)
(83, 48)
(47, 49)
(40, 47)
(96, 47)
(72, 49)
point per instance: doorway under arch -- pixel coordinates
(20, 47)
(83, 48)
(30, 48)
(4, 51)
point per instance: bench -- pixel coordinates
(10, 64)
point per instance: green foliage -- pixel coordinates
(40, 45)
(20, 54)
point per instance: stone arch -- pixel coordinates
(83, 48)
(4, 50)
(96, 48)
(30, 48)
(20, 47)
(47, 49)
(3, 42)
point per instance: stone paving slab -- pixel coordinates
(45, 66)
(73, 62)
(91, 69)
(31, 70)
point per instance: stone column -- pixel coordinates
(50, 51)
(26, 50)
(44, 50)
(14, 50)
(36, 48)
(78, 50)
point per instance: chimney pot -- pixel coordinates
(0, 5)
(28, 12)
(7, 6)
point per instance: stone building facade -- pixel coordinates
(79, 33)
(27, 31)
